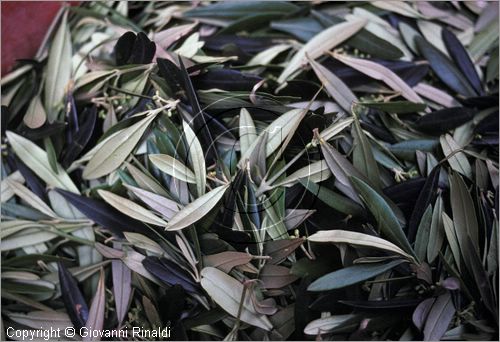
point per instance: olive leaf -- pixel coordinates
(197, 209)
(363, 158)
(331, 324)
(226, 261)
(351, 275)
(227, 292)
(444, 68)
(28, 196)
(173, 167)
(436, 233)
(59, 69)
(130, 208)
(458, 160)
(116, 149)
(440, 315)
(35, 115)
(122, 289)
(385, 217)
(196, 157)
(97, 309)
(358, 239)
(247, 131)
(323, 41)
(464, 215)
(36, 159)
(379, 72)
(337, 89)
(423, 239)
(165, 206)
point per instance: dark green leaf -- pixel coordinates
(351, 275)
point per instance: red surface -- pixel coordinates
(24, 24)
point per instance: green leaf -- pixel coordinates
(332, 324)
(37, 160)
(337, 89)
(97, 308)
(141, 241)
(335, 128)
(363, 159)
(332, 199)
(165, 206)
(196, 210)
(379, 72)
(423, 231)
(277, 132)
(323, 41)
(445, 70)
(130, 208)
(227, 292)
(30, 198)
(436, 234)
(51, 153)
(350, 275)
(247, 131)
(145, 181)
(341, 168)
(440, 315)
(340, 236)
(484, 41)
(387, 222)
(116, 149)
(458, 160)
(58, 69)
(451, 236)
(196, 158)
(173, 167)
(314, 172)
(464, 214)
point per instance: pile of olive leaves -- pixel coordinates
(256, 170)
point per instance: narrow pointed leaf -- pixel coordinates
(387, 222)
(464, 214)
(444, 68)
(457, 160)
(75, 304)
(104, 214)
(247, 131)
(358, 239)
(440, 315)
(130, 208)
(58, 69)
(97, 308)
(196, 157)
(462, 59)
(173, 167)
(196, 210)
(116, 149)
(323, 41)
(363, 159)
(36, 159)
(351, 275)
(379, 72)
(227, 292)
(122, 289)
(337, 89)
